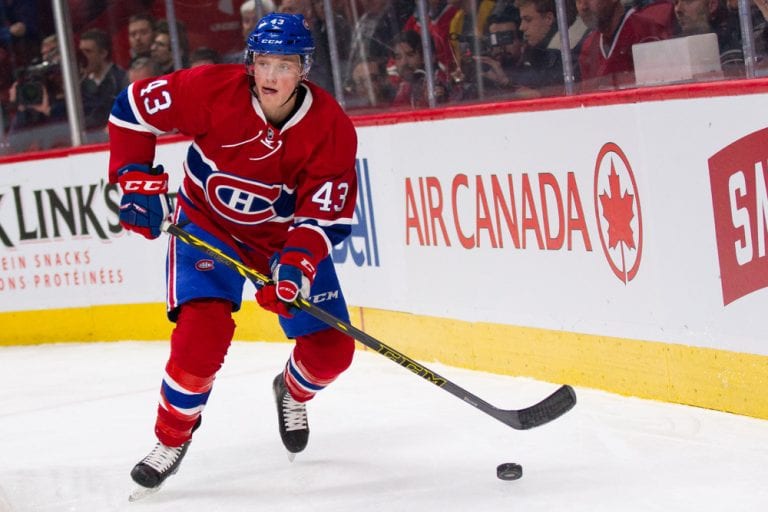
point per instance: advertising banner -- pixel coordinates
(643, 221)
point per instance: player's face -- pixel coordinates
(276, 77)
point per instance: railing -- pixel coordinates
(374, 56)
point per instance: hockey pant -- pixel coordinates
(201, 303)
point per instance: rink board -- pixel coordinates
(618, 246)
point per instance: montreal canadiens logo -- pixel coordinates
(204, 265)
(617, 210)
(241, 201)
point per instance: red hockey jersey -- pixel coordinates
(608, 63)
(244, 178)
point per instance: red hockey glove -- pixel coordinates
(293, 274)
(145, 203)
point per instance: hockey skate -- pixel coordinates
(291, 418)
(162, 462)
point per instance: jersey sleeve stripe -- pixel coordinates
(324, 223)
(113, 119)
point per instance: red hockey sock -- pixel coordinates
(316, 361)
(199, 344)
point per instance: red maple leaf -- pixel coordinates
(617, 210)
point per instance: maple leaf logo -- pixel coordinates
(617, 210)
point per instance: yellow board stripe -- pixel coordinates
(710, 378)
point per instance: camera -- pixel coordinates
(503, 38)
(470, 45)
(32, 81)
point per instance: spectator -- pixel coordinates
(760, 31)
(249, 15)
(321, 72)
(503, 55)
(440, 14)
(461, 21)
(463, 36)
(141, 34)
(542, 67)
(302, 7)
(203, 55)
(369, 87)
(39, 113)
(605, 59)
(49, 49)
(19, 35)
(143, 67)
(704, 16)
(659, 11)
(161, 52)
(695, 16)
(165, 49)
(101, 82)
(373, 33)
(577, 30)
(409, 61)
(19, 45)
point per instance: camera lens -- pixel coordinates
(30, 93)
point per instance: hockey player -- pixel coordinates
(269, 179)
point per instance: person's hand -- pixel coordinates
(292, 275)
(145, 203)
(18, 29)
(44, 107)
(493, 70)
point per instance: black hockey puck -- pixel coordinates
(509, 471)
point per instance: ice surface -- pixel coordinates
(74, 418)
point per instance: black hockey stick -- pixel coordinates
(548, 409)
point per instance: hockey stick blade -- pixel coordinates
(548, 409)
(552, 407)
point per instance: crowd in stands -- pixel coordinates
(477, 50)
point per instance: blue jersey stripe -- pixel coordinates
(122, 110)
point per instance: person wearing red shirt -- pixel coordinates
(605, 60)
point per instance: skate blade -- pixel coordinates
(290, 455)
(142, 492)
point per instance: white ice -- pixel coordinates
(74, 418)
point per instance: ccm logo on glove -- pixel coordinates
(292, 275)
(145, 203)
(149, 187)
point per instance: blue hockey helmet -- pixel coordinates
(280, 34)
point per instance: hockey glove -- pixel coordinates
(145, 203)
(292, 274)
